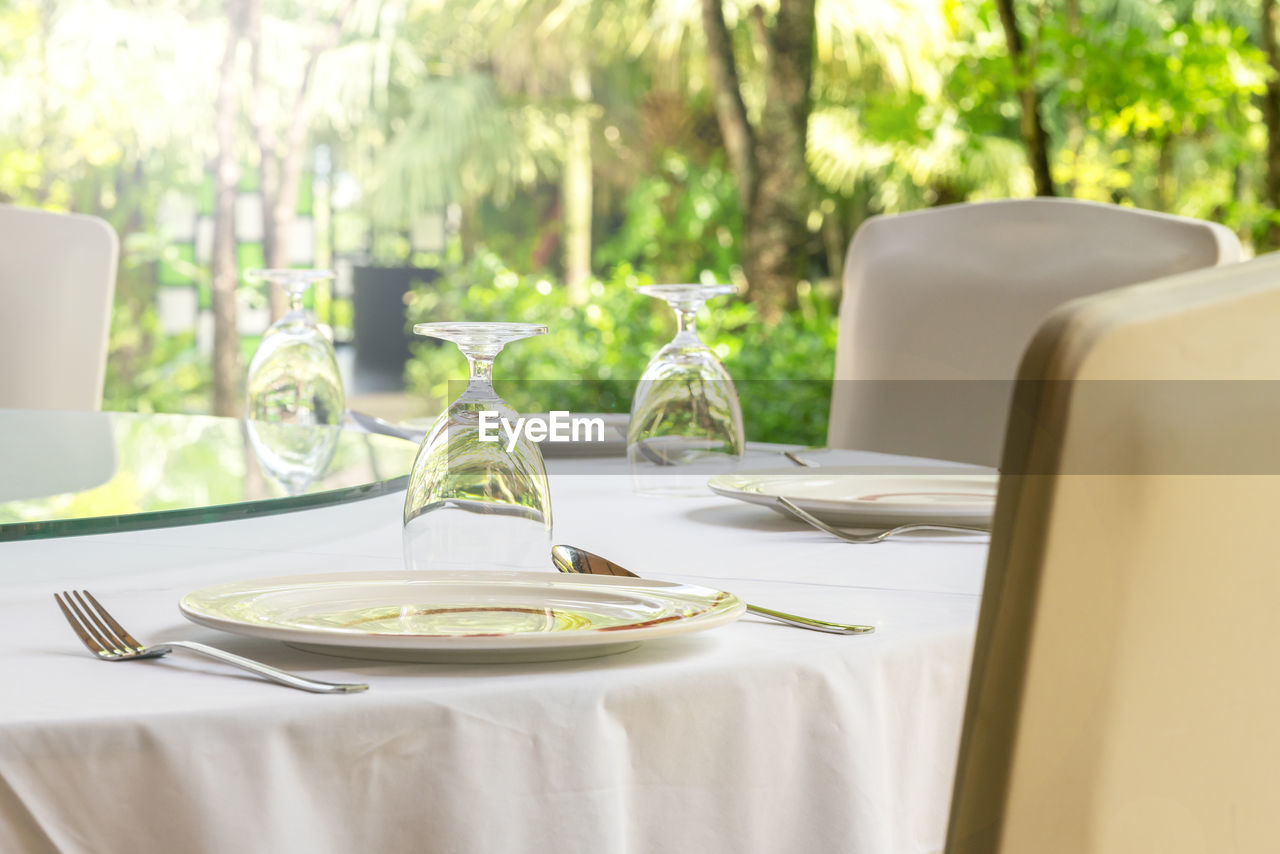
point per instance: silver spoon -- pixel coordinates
(874, 537)
(573, 559)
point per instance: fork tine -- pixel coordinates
(78, 629)
(95, 626)
(87, 621)
(111, 621)
(95, 646)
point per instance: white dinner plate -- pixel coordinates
(872, 496)
(460, 616)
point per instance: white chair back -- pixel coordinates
(57, 280)
(1125, 690)
(939, 305)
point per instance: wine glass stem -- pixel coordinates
(687, 323)
(480, 384)
(296, 292)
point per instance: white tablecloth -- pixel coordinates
(754, 737)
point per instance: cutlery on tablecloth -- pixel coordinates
(872, 536)
(573, 559)
(795, 457)
(109, 640)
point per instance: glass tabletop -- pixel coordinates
(67, 473)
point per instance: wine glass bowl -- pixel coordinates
(293, 376)
(476, 498)
(294, 455)
(685, 411)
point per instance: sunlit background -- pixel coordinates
(507, 160)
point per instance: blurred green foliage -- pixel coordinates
(680, 220)
(106, 105)
(148, 371)
(593, 354)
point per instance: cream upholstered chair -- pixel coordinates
(1125, 694)
(939, 305)
(57, 278)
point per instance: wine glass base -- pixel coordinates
(685, 293)
(467, 334)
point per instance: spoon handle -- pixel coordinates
(570, 559)
(809, 622)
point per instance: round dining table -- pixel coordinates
(750, 737)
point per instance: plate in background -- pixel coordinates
(870, 496)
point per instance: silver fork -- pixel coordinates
(109, 640)
(877, 536)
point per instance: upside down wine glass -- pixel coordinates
(685, 412)
(294, 398)
(473, 503)
(293, 376)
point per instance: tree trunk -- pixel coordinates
(1075, 133)
(836, 243)
(1164, 172)
(768, 158)
(576, 189)
(549, 237)
(1033, 134)
(268, 163)
(280, 165)
(1271, 115)
(135, 285)
(226, 337)
(731, 112)
(776, 229)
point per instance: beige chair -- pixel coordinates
(57, 278)
(939, 305)
(1125, 694)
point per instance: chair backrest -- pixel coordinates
(1125, 692)
(57, 279)
(939, 305)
